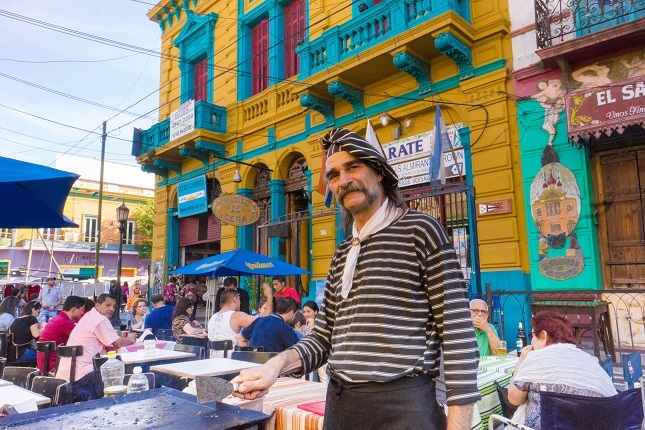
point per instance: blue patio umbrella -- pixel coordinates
(239, 263)
(33, 196)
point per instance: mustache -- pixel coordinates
(342, 191)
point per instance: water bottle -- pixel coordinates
(112, 373)
(138, 382)
(143, 321)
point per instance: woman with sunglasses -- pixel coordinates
(553, 363)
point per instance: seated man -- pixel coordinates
(93, 332)
(484, 331)
(160, 317)
(273, 332)
(229, 321)
(59, 328)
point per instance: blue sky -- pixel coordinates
(120, 82)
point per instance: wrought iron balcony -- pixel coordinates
(559, 20)
(373, 26)
(207, 117)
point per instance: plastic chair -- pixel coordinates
(259, 357)
(197, 350)
(149, 375)
(47, 348)
(220, 345)
(624, 411)
(20, 376)
(47, 386)
(608, 366)
(65, 393)
(249, 348)
(6, 339)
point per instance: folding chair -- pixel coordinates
(98, 361)
(47, 386)
(215, 346)
(632, 368)
(20, 376)
(197, 350)
(46, 348)
(624, 411)
(249, 348)
(65, 392)
(259, 357)
(608, 366)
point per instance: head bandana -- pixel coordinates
(340, 139)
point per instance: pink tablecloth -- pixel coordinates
(160, 344)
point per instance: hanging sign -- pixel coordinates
(236, 210)
(191, 197)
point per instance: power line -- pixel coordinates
(66, 61)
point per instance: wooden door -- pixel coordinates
(621, 217)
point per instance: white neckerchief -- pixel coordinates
(383, 217)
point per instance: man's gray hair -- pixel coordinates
(473, 301)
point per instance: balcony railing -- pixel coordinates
(371, 27)
(207, 117)
(559, 20)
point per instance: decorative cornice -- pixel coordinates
(195, 153)
(169, 165)
(149, 168)
(348, 93)
(320, 105)
(415, 67)
(210, 148)
(457, 51)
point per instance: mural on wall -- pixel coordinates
(157, 277)
(555, 196)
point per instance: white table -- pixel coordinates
(4, 383)
(12, 395)
(209, 367)
(161, 355)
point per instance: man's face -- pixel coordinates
(107, 307)
(51, 283)
(77, 312)
(354, 184)
(278, 286)
(478, 312)
(230, 287)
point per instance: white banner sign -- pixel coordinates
(410, 157)
(182, 121)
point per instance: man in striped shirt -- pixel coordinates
(395, 297)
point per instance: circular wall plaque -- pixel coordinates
(235, 210)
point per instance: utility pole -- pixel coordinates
(99, 220)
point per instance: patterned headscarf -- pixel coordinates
(341, 139)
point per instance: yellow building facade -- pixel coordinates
(264, 80)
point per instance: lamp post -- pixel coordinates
(122, 213)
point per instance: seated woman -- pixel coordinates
(310, 311)
(553, 363)
(139, 311)
(181, 324)
(8, 310)
(25, 332)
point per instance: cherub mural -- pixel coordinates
(551, 98)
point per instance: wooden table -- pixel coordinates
(12, 395)
(208, 367)
(584, 314)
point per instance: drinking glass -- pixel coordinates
(501, 347)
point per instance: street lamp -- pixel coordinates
(122, 213)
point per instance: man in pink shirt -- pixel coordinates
(93, 332)
(281, 289)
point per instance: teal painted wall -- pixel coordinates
(533, 140)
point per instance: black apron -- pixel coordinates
(404, 404)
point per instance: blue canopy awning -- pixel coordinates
(239, 263)
(33, 196)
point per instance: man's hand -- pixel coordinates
(459, 417)
(480, 323)
(255, 382)
(267, 290)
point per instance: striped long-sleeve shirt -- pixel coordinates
(408, 301)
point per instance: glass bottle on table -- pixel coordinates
(138, 381)
(520, 339)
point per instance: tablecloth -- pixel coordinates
(489, 403)
(498, 363)
(285, 396)
(159, 344)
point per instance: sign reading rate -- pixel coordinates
(410, 157)
(191, 197)
(182, 121)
